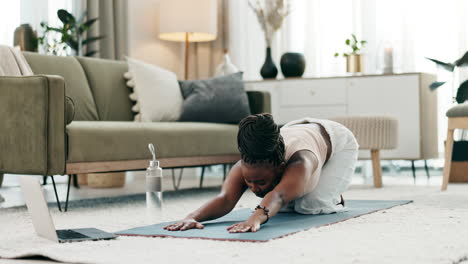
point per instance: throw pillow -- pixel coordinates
(157, 92)
(221, 99)
(133, 96)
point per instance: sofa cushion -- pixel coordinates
(109, 141)
(460, 110)
(76, 84)
(107, 83)
(221, 99)
(69, 110)
(157, 92)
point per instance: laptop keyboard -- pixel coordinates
(69, 234)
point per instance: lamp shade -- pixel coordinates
(178, 17)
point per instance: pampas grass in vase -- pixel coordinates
(270, 16)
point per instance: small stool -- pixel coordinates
(457, 118)
(373, 133)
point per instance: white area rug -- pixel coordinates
(433, 229)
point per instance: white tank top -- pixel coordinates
(304, 137)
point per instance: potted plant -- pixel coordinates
(353, 58)
(459, 95)
(70, 36)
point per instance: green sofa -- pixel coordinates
(38, 137)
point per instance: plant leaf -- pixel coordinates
(462, 92)
(347, 41)
(90, 22)
(65, 17)
(337, 54)
(435, 85)
(463, 61)
(53, 29)
(86, 25)
(91, 39)
(90, 53)
(444, 65)
(72, 43)
(83, 16)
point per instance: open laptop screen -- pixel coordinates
(37, 207)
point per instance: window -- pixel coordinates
(9, 20)
(16, 12)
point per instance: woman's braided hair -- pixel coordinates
(259, 140)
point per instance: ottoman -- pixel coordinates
(373, 133)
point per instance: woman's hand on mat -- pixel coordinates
(247, 226)
(184, 224)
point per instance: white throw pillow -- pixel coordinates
(133, 96)
(157, 92)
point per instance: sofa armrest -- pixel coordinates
(32, 132)
(259, 101)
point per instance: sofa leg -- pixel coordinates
(377, 170)
(202, 176)
(56, 195)
(413, 169)
(175, 184)
(68, 192)
(75, 181)
(44, 180)
(224, 171)
(1, 181)
(427, 169)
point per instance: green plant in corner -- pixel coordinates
(355, 45)
(461, 94)
(71, 34)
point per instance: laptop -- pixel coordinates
(42, 221)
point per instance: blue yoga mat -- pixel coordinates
(280, 225)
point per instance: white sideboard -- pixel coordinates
(403, 96)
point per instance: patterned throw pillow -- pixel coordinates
(156, 92)
(133, 96)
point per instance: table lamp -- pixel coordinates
(188, 21)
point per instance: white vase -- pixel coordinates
(226, 67)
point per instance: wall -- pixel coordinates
(144, 43)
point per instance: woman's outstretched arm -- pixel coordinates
(222, 204)
(291, 187)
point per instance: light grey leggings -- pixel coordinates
(336, 173)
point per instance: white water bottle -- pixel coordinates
(154, 199)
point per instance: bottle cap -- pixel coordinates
(154, 162)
